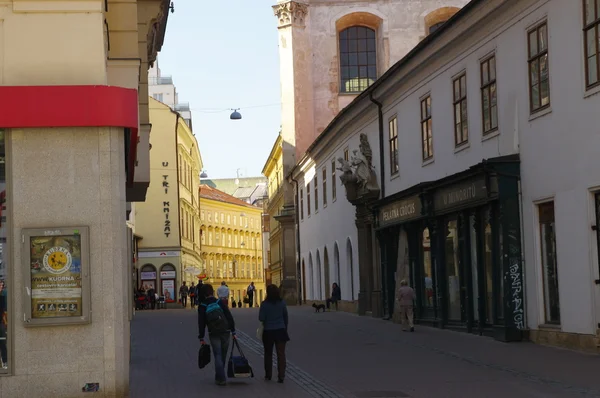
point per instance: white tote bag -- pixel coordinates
(259, 331)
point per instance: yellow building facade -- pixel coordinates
(168, 221)
(231, 245)
(73, 153)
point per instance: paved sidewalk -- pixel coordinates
(337, 354)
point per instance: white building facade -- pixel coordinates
(489, 179)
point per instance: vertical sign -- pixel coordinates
(166, 204)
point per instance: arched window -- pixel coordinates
(358, 58)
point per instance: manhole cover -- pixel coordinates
(381, 394)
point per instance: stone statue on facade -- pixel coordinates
(358, 175)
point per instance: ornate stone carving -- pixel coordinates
(358, 175)
(290, 13)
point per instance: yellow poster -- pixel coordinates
(56, 286)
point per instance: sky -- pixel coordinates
(223, 55)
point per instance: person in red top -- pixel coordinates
(406, 296)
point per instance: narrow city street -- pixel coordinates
(337, 354)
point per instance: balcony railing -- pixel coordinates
(154, 81)
(182, 107)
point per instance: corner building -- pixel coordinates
(74, 150)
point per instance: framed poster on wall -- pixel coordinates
(57, 282)
(168, 290)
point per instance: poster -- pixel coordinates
(168, 290)
(56, 278)
(147, 285)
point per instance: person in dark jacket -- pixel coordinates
(336, 295)
(274, 316)
(219, 340)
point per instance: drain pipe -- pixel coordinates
(299, 280)
(381, 160)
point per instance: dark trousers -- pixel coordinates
(153, 303)
(334, 301)
(268, 343)
(251, 299)
(183, 300)
(3, 347)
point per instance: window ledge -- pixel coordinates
(591, 91)
(395, 176)
(462, 147)
(428, 162)
(548, 326)
(540, 113)
(492, 134)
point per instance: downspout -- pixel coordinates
(298, 251)
(381, 160)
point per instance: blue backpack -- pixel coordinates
(215, 318)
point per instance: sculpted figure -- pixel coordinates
(346, 170)
(363, 168)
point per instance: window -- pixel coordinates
(324, 186)
(393, 127)
(435, 27)
(158, 97)
(489, 106)
(461, 125)
(358, 59)
(346, 154)
(591, 34)
(549, 264)
(316, 193)
(597, 208)
(308, 199)
(333, 182)
(426, 128)
(539, 84)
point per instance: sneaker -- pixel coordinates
(412, 329)
(221, 382)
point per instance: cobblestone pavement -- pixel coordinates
(337, 354)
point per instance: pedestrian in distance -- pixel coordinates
(250, 292)
(223, 293)
(214, 315)
(406, 295)
(192, 295)
(183, 294)
(336, 295)
(274, 316)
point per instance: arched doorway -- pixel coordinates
(336, 264)
(310, 282)
(318, 279)
(326, 273)
(168, 288)
(350, 266)
(303, 282)
(147, 277)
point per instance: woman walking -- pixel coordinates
(274, 316)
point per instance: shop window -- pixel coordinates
(539, 74)
(358, 58)
(393, 142)
(591, 34)
(453, 271)
(426, 128)
(324, 179)
(461, 125)
(333, 182)
(488, 265)
(428, 295)
(489, 104)
(549, 263)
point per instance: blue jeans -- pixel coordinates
(220, 346)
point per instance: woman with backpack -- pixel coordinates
(214, 315)
(274, 316)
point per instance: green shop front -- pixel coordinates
(458, 243)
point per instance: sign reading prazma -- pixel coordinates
(56, 279)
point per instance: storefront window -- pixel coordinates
(549, 265)
(488, 264)
(427, 276)
(474, 270)
(3, 271)
(452, 271)
(500, 293)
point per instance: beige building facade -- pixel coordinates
(330, 52)
(72, 159)
(168, 221)
(231, 245)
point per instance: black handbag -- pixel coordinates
(238, 366)
(203, 355)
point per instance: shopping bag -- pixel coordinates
(203, 355)
(259, 331)
(238, 366)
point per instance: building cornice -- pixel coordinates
(274, 155)
(290, 13)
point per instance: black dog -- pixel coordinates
(319, 307)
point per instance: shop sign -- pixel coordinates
(460, 194)
(148, 275)
(167, 274)
(400, 211)
(58, 276)
(158, 254)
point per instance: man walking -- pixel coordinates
(183, 294)
(250, 292)
(406, 295)
(223, 293)
(214, 315)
